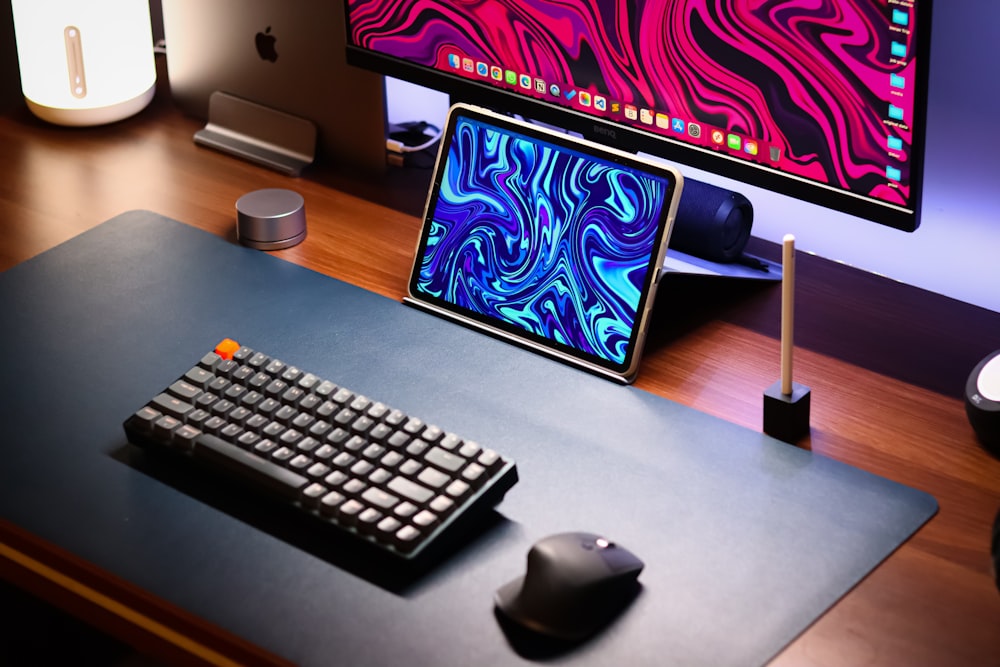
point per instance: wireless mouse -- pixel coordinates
(574, 584)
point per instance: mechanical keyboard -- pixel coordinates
(368, 470)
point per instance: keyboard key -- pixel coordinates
(377, 411)
(432, 434)
(354, 487)
(248, 439)
(425, 519)
(318, 470)
(146, 417)
(313, 493)
(210, 360)
(308, 381)
(307, 444)
(251, 399)
(380, 476)
(368, 519)
(235, 393)
(410, 490)
(199, 377)
(197, 417)
(275, 388)
(331, 501)
(392, 459)
(349, 510)
(248, 466)
(258, 360)
(165, 425)
(326, 410)
(325, 389)
(457, 489)
(256, 423)
(444, 460)
(282, 454)
(442, 504)
(416, 448)
(218, 385)
(310, 402)
(474, 473)
(342, 396)
(398, 440)
(213, 425)
(410, 468)
(324, 452)
(172, 406)
(387, 526)
(285, 414)
(221, 407)
(300, 462)
(433, 478)
(265, 447)
(362, 468)
(413, 426)
(241, 374)
(406, 538)
(405, 509)
(227, 348)
(469, 450)
(489, 459)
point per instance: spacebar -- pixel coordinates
(248, 466)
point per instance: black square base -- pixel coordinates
(787, 417)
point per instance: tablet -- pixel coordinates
(543, 239)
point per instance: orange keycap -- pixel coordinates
(226, 348)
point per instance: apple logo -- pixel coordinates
(265, 45)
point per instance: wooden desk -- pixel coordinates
(886, 364)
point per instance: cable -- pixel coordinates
(411, 137)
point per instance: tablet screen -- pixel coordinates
(544, 237)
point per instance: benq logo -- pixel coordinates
(605, 132)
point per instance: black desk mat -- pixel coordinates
(746, 540)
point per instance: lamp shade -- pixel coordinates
(84, 62)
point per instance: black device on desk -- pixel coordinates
(574, 585)
(769, 98)
(545, 240)
(352, 463)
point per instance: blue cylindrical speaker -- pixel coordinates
(712, 223)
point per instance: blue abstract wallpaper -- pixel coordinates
(544, 238)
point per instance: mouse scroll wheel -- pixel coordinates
(602, 543)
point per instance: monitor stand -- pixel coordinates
(257, 133)
(747, 267)
(711, 232)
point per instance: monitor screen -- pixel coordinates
(823, 100)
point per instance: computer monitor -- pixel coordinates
(822, 100)
(258, 70)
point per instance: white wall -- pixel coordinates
(956, 250)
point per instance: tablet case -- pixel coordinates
(547, 240)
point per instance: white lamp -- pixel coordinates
(84, 62)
